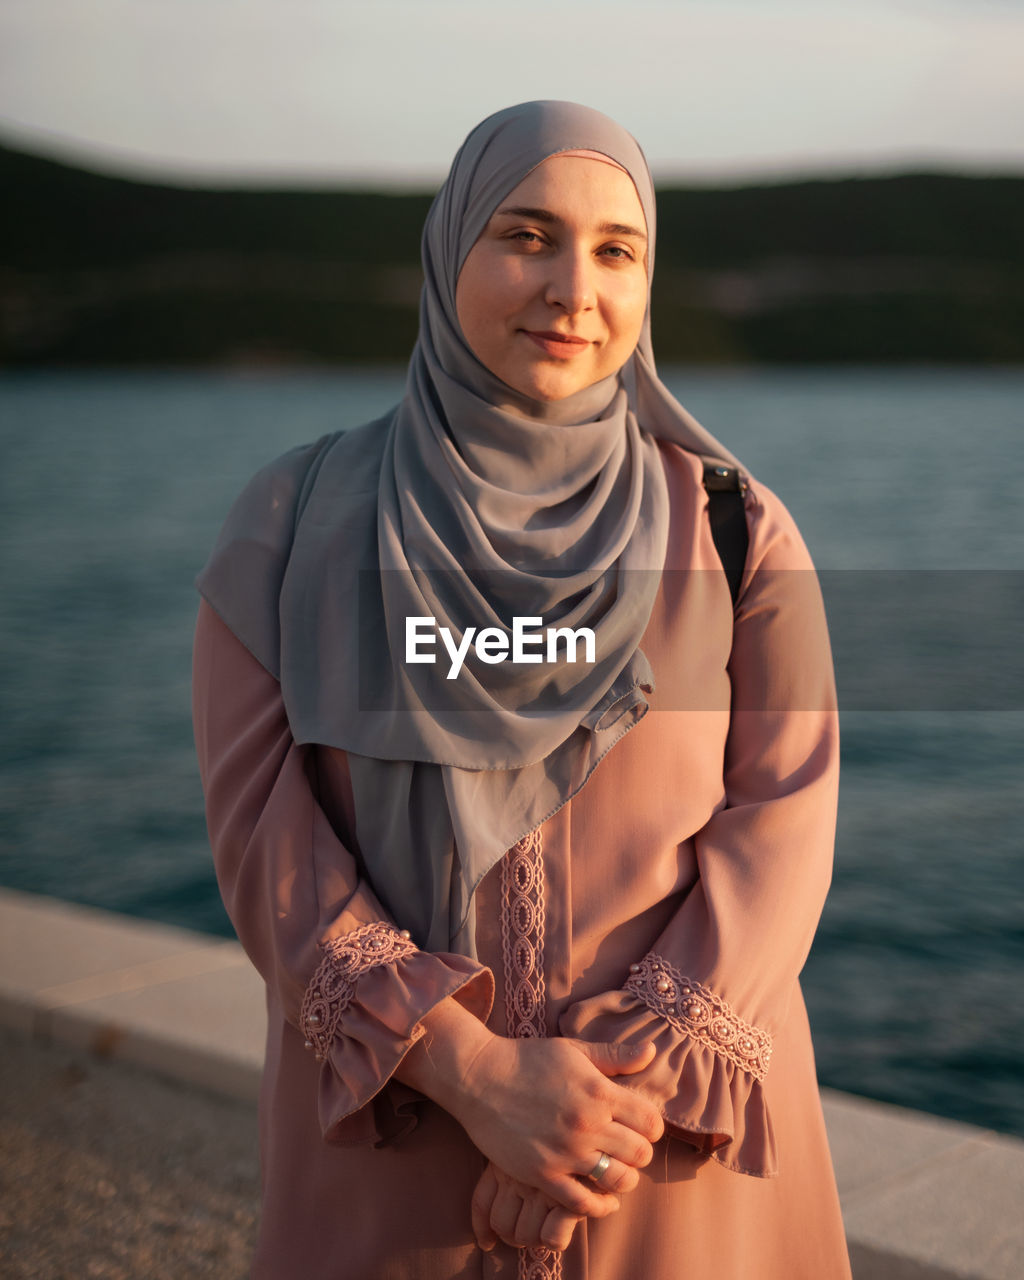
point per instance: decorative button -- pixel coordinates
(308, 1044)
(724, 1030)
(634, 968)
(405, 934)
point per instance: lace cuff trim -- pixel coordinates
(700, 1014)
(333, 986)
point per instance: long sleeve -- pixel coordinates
(345, 975)
(714, 988)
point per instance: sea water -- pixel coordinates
(112, 488)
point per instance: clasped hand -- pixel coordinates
(544, 1111)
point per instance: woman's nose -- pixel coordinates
(571, 285)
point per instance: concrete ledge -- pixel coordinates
(183, 1004)
(923, 1198)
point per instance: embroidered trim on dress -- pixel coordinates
(698, 1012)
(522, 937)
(540, 1264)
(333, 985)
(522, 948)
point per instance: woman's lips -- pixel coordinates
(559, 345)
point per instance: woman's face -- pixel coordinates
(552, 296)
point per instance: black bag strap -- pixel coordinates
(725, 487)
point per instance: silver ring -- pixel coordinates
(601, 1168)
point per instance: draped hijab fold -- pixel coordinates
(471, 505)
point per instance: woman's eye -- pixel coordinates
(526, 237)
(618, 252)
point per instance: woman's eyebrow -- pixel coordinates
(545, 215)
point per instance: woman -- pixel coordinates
(530, 920)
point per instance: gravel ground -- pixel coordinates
(108, 1173)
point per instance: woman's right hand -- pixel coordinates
(544, 1111)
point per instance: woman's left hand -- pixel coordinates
(504, 1209)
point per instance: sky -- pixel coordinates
(380, 93)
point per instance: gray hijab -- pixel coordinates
(471, 505)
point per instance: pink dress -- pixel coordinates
(673, 899)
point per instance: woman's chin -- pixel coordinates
(549, 385)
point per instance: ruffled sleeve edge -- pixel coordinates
(704, 1095)
(367, 1018)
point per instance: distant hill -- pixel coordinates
(97, 269)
